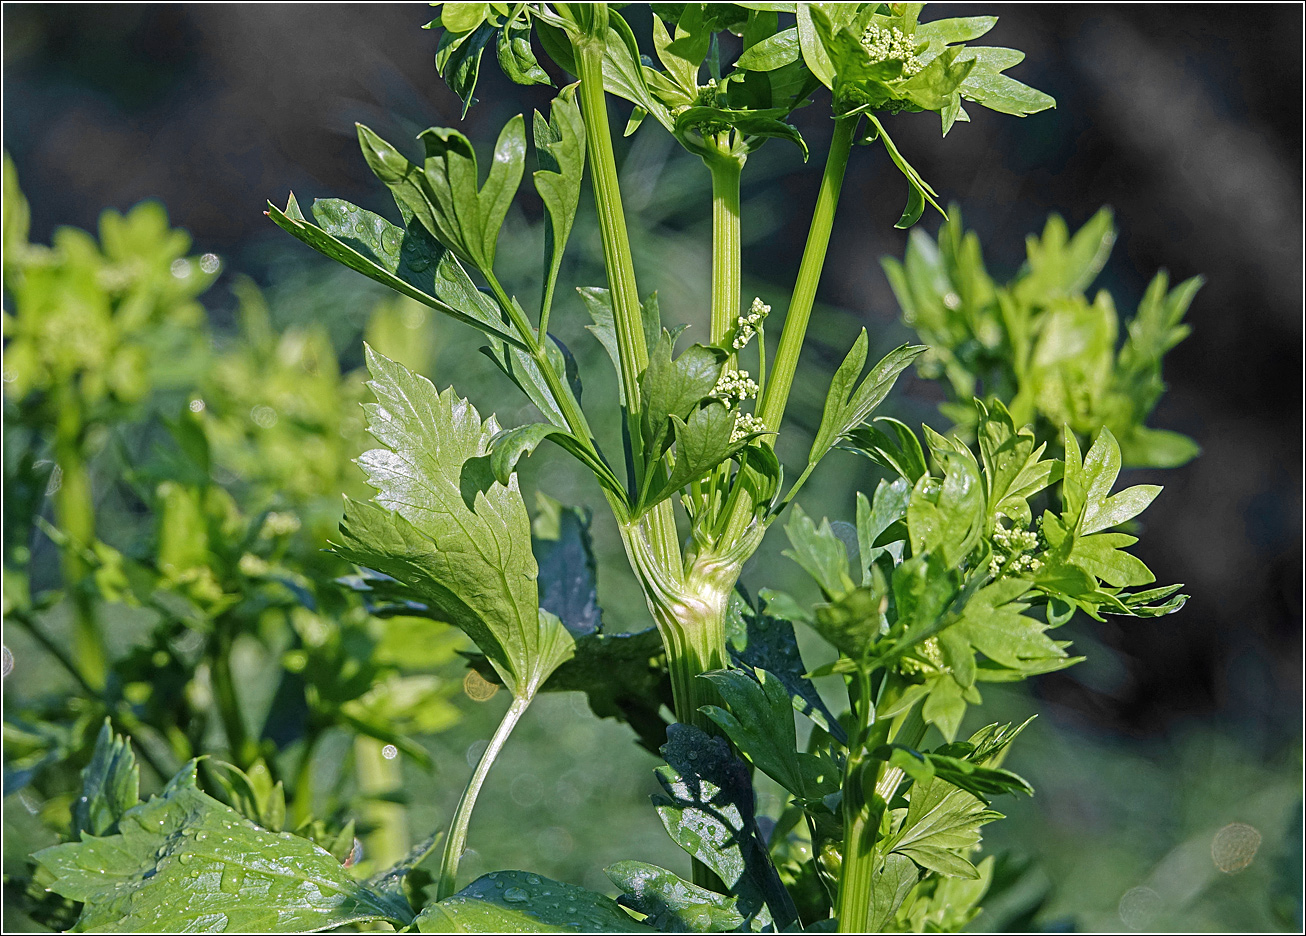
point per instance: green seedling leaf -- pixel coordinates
(183, 862)
(473, 566)
(761, 725)
(763, 640)
(850, 402)
(560, 151)
(408, 260)
(671, 904)
(519, 902)
(708, 811)
(110, 786)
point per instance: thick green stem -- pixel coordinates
(627, 315)
(456, 842)
(727, 256)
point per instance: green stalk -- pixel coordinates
(456, 842)
(855, 906)
(779, 381)
(571, 411)
(861, 820)
(619, 262)
(727, 256)
(772, 407)
(74, 513)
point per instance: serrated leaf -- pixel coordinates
(850, 402)
(760, 724)
(472, 565)
(183, 862)
(703, 442)
(709, 812)
(876, 516)
(947, 515)
(110, 786)
(675, 387)
(519, 902)
(673, 905)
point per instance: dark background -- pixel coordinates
(1186, 119)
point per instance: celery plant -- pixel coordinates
(927, 595)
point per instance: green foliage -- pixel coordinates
(673, 905)
(464, 549)
(517, 902)
(145, 876)
(708, 810)
(1038, 342)
(951, 576)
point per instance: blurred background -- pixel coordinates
(1186, 120)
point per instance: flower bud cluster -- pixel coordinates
(746, 325)
(891, 45)
(745, 425)
(734, 386)
(1012, 552)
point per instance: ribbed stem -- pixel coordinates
(727, 255)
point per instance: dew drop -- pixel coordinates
(6, 661)
(516, 895)
(210, 263)
(232, 877)
(180, 268)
